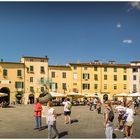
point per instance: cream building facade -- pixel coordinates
(135, 77)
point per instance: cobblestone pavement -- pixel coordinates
(18, 122)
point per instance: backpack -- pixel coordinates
(69, 106)
(111, 115)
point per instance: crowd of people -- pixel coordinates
(124, 110)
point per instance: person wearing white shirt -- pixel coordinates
(129, 120)
(67, 110)
(51, 118)
(121, 110)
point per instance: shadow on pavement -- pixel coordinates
(114, 136)
(62, 134)
(59, 114)
(43, 128)
(74, 121)
(9, 107)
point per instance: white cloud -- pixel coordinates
(134, 5)
(118, 25)
(127, 41)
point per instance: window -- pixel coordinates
(5, 72)
(125, 77)
(95, 68)
(105, 69)
(75, 68)
(85, 68)
(115, 69)
(95, 86)
(64, 74)
(115, 87)
(31, 68)
(124, 70)
(53, 86)
(134, 77)
(135, 70)
(31, 79)
(105, 86)
(42, 80)
(75, 76)
(124, 86)
(64, 86)
(85, 76)
(19, 85)
(19, 73)
(31, 89)
(95, 77)
(115, 77)
(105, 77)
(86, 86)
(42, 89)
(42, 70)
(53, 74)
(134, 88)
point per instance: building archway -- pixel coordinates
(5, 98)
(105, 97)
(31, 98)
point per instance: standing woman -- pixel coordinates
(38, 114)
(51, 115)
(129, 120)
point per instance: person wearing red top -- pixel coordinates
(38, 114)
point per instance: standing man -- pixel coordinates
(38, 114)
(67, 110)
(108, 120)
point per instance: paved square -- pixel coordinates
(18, 122)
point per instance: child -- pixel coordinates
(51, 115)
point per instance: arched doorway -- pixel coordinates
(5, 98)
(105, 97)
(31, 98)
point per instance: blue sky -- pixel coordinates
(70, 32)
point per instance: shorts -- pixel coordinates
(67, 113)
(129, 123)
(120, 117)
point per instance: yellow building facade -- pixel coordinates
(36, 73)
(61, 79)
(12, 81)
(24, 81)
(102, 79)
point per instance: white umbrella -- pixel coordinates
(3, 94)
(56, 94)
(121, 95)
(91, 95)
(134, 95)
(74, 94)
